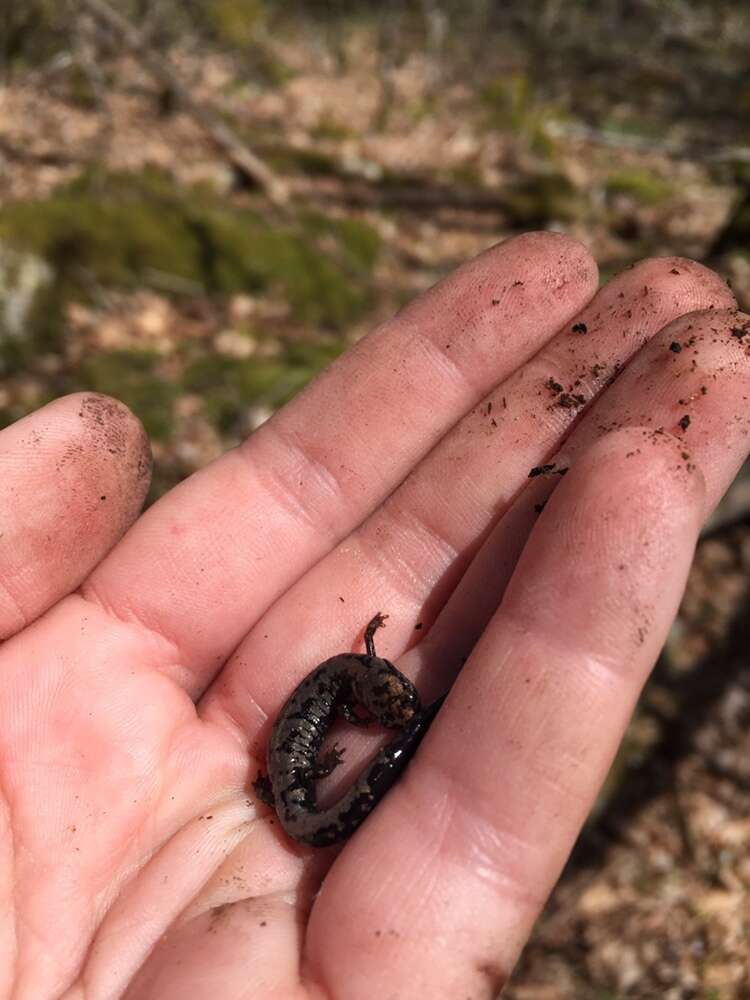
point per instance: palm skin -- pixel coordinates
(139, 681)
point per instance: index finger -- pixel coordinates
(203, 564)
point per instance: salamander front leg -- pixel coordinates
(264, 789)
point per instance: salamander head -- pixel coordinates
(387, 694)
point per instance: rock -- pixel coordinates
(235, 344)
(24, 277)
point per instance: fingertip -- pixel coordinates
(110, 428)
(73, 477)
(696, 284)
(538, 275)
(562, 261)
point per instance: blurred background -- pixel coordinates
(203, 202)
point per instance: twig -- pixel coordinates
(50, 158)
(417, 194)
(700, 148)
(240, 155)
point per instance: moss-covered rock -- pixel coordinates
(129, 232)
(142, 230)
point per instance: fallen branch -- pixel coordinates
(361, 194)
(245, 161)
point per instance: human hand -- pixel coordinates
(134, 713)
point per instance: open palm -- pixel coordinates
(138, 686)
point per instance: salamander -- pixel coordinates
(363, 688)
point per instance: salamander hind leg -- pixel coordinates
(327, 763)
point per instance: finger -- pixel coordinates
(698, 393)
(73, 477)
(469, 844)
(227, 542)
(409, 555)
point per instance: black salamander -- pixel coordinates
(347, 683)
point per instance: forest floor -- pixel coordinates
(654, 902)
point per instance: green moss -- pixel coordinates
(315, 163)
(106, 232)
(317, 282)
(232, 22)
(466, 175)
(422, 107)
(644, 186)
(132, 377)
(228, 386)
(358, 240)
(507, 100)
(136, 230)
(80, 89)
(632, 127)
(536, 200)
(328, 128)
(234, 25)
(511, 104)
